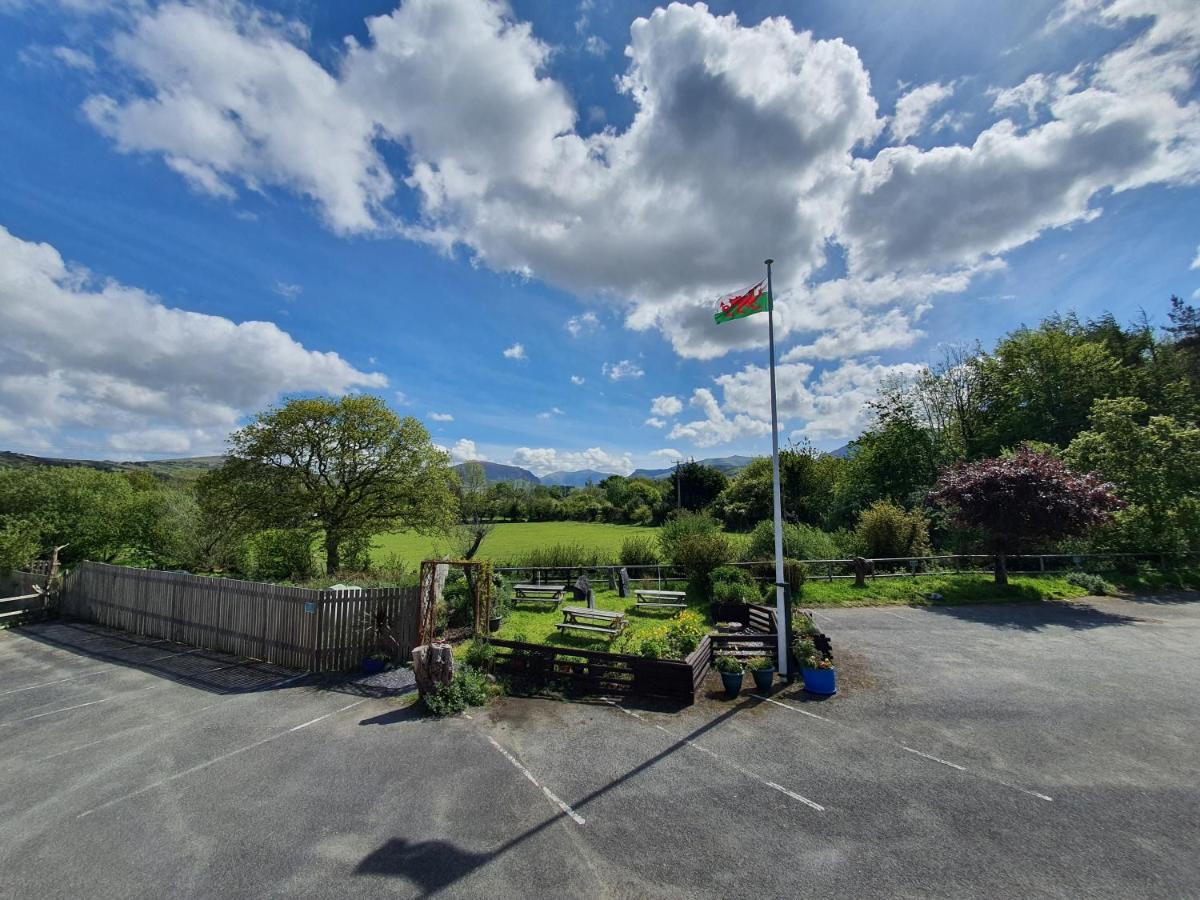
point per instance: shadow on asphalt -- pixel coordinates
(435, 865)
(208, 670)
(397, 716)
(1034, 616)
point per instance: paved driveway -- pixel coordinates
(1019, 751)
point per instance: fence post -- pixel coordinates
(1041, 563)
(318, 628)
(829, 572)
(659, 577)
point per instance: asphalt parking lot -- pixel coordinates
(998, 751)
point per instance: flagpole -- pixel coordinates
(783, 616)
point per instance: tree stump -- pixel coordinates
(862, 568)
(433, 665)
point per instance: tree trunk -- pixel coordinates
(1001, 569)
(433, 665)
(333, 557)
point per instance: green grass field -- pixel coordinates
(953, 588)
(510, 539)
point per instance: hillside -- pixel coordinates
(500, 472)
(186, 467)
(578, 478)
(730, 465)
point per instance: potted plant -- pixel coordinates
(732, 674)
(763, 670)
(816, 668)
(376, 662)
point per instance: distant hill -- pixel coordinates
(729, 465)
(843, 452)
(186, 467)
(578, 478)
(499, 472)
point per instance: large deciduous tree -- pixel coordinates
(349, 467)
(1023, 500)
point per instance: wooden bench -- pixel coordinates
(601, 620)
(671, 599)
(545, 593)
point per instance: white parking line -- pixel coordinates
(204, 765)
(985, 776)
(720, 759)
(935, 759)
(578, 819)
(87, 674)
(53, 711)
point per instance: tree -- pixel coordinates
(474, 521)
(695, 485)
(885, 530)
(1155, 463)
(347, 466)
(81, 507)
(806, 482)
(1023, 499)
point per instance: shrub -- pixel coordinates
(730, 665)
(640, 550)
(805, 651)
(735, 592)
(799, 542)
(682, 525)
(1093, 584)
(278, 554)
(887, 530)
(731, 575)
(652, 648)
(18, 545)
(561, 555)
(479, 655)
(468, 687)
(670, 640)
(803, 626)
(759, 663)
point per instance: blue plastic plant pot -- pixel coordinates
(820, 681)
(732, 682)
(763, 679)
(373, 666)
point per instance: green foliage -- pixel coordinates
(806, 481)
(760, 663)
(730, 665)
(667, 640)
(695, 485)
(1093, 584)
(1155, 463)
(18, 545)
(83, 508)
(682, 525)
(480, 655)
(278, 554)
(640, 550)
(699, 554)
(562, 555)
(795, 573)
(736, 592)
(347, 466)
(467, 688)
(805, 652)
(886, 530)
(799, 542)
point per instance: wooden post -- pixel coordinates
(433, 665)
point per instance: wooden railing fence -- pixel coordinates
(315, 630)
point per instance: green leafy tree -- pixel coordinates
(1155, 463)
(84, 508)
(799, 542)
(694, 485)
(1022, 501)
(885, 530)
(474, 522)
(806, 480)
(349, 467)
(18, 545)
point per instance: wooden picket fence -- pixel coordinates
(302, 628)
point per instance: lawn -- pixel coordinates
(536, 621)
(953, 588)
(511, 539)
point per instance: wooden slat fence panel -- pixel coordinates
(296, 627)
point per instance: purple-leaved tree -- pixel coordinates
(1023, 501)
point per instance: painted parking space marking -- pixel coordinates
(29, 687)
(935, 759)
(688, 742)
(985, 776)
(53, 711)
(563, 807)
(212, 762)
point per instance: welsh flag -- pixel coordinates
(740, 304)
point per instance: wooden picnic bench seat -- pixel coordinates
(610, 622)
(671, 599)
(546, 593)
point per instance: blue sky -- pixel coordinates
(207, 206)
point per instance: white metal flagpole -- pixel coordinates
(782, 618)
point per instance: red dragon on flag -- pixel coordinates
(740, 304)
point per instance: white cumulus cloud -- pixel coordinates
(516, 351)
(543, 460)
(914, 108)
(625, 369)
(666, 405)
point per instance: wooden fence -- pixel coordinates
(598, 672)
(22, 598)
(319, 631)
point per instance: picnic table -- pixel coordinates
(547, 593)
(581, 618)
(671, 599)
